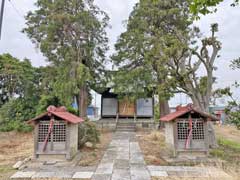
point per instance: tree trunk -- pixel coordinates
(83, 102)
(163, 109)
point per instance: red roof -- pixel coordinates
(186, 109)
(60, 112)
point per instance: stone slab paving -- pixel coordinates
(40, 175)
(159, 173)
(123, 160)
(23, 175)
(82, 175)
(187, 171)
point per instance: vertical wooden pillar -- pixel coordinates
(68, 155)
(52, 119)
(35, 139)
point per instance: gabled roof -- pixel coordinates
(184, 110)
(60, 112)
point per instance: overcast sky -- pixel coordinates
(228, 18)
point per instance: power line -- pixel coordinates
(2, 10)
(16, 10)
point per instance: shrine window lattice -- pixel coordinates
(59, 132)
(197, 130)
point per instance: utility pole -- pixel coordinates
(1, 17)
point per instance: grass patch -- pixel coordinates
(5, 169)
(6, 172)
(217, 153)
(235, 146)
(229, 151)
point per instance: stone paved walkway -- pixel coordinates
(123, 160)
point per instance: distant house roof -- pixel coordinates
(180, 111)
(60, 112)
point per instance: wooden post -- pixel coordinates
(68, 138)
(52, 118)
(35, 137)
(175, 136)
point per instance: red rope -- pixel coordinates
(48, 134)
(189, 134)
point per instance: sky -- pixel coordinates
(13, 41)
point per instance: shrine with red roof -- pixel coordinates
(187, 132)
(55, 134)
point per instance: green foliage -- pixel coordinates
(72, 110)
(45, 101)
(87, 132)
(134, 84)
(233, 108)
(14, 113)
(234, 117)
(20, 89)
(17, 78)
(206, 7)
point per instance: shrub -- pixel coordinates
(45, 101)
(17, 126)
(72, 110)
(87, 132)
(14, 113)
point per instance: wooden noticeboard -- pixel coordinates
(126, 108)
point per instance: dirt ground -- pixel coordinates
(92, 156)
(228, 132)
(13, 147)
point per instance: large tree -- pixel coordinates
(17, 78)
(20, 89)
(153, 30)
(71, 34)
(193, 68)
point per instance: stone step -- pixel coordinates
(126, 125)
(126, 130)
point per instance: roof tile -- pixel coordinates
(60, 112)
(186, 109)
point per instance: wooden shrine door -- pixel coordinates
(126, 108)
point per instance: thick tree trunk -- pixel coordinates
(163, 109)
(83, 102)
